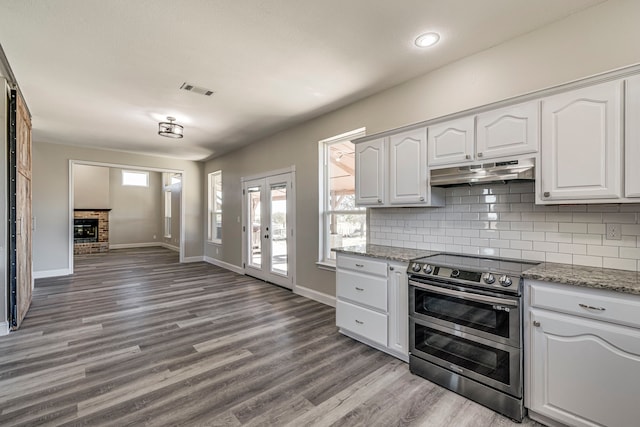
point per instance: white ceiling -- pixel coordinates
(103, 73)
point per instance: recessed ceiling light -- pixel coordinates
(427, 39)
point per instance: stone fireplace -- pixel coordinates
(90, 231)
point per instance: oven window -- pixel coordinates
(476, 315)
(481, 359)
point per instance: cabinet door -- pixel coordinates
(581, 144)
(584, 371)
(398, 309)
(408, 167)
(370, 172)
(632, 138)
(507, 131)
(451, 142)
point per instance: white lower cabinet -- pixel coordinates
(583, 370)
(372, 303)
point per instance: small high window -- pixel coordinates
(135, 178)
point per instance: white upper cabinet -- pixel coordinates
(507, 131)
(451, 142)
(632, 138)
(370, 172)
(408, 167)
(582, 144)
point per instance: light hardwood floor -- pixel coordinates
(136, 338)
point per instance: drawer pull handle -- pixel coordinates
(590, 307)
(359, 322)
(360, 265)
(359, 289)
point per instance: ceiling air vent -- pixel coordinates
(196, 89)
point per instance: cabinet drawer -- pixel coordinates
(362, 265)
(362, 321)
(595, 304)
(362, 288)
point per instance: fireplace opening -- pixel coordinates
(85, 230)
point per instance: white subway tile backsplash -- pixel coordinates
(572, 227)
(603, 251)
(630, 253)
(591, 261)
(521, 244)
(545, 246)
(559, 258)
(558, 237)
(503, 220)
(619, 263)
(587, 217)
(620, 218)
(545, 226)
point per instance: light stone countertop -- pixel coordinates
(588, 277)
(567, 274)
(390, 253)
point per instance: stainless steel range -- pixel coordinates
(465, 327)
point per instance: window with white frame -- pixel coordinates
(135, 178)
(167, 213)
(342, 223)
(215, 207)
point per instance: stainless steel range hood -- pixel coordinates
(520, 170)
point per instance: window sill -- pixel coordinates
(323, 265)
(215, 242)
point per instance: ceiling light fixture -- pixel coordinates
(170, 129)
(427, 39)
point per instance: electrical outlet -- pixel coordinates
(614, 232)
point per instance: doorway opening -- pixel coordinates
(140, 215)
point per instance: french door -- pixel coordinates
(268, 228)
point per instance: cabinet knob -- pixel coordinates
(536, 323)
(379, 200)
(479, 154)
(422, 199)
(391, 268)
(467, 156)
(547, 194)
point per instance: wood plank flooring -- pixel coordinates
(136, 338)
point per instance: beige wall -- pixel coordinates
(136, 212)
(90, 187)
(51, 198)
(599, 39)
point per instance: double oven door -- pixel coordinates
(472, 333)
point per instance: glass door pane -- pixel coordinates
(279, 243)
(255, 226)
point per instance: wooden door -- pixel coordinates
(452, 141)
(508, 131)
(581, 145)
(21, 280)
(370, 172)
(408, 167)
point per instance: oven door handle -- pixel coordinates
(464, 295)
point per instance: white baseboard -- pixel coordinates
(170, 247)
(4, 328)
(315, 295)
(51, 273)
(193, 259)
(231, 267)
